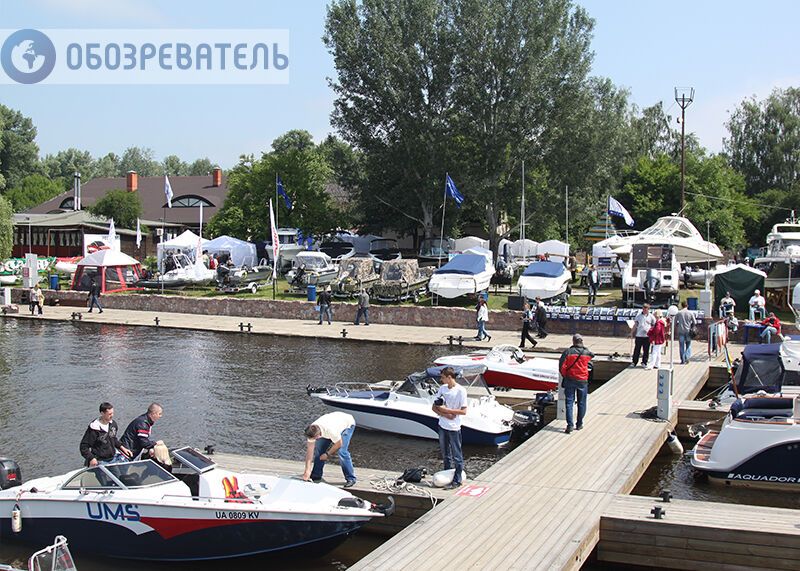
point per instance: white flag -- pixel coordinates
(112, 235)
(168, 190)
(275, 244)
(138, 234)
(616, 209)
(201, 220)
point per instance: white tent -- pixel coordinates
(242, 253)
(186, 243)
(557, 251)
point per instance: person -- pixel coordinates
(527, 319)
(329, 434)
(641, 325)
(757, 304)
(572, 264)
(574, 368)
(137, 436)
(687, 275)
(482, 318)
(363, 307)
(732, 323)
(727, 305)
(324, 301)
(684, 322)
(212, 262)
(450, 404)
(36, 299)
(206, 260)
(657, 335)
(772, 326)
(94, 295)
(541, 319)
(593, 283)
(100, 444)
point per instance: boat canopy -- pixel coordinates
(761, 369)
(544, 270)
(469, 264)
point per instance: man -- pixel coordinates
(324, 301)
(363, 307)
(527, 318)
(329, 434)
(727, 305)
(574, 368)
(100, 444)
(593, 283)
(684, 322)
(451, 404)
(772, 326)
(37, 298)
(687, 275)
(641, 326)
(137, 435)
(757, 304)
(94, 295)
(205, 258)
(541, 318)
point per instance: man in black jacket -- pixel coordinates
(94, 295)
(541, 318)
(100, 444)
(137, 435)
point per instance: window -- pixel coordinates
(137, 474)
(91, 478)
(189, 201)
(68, 203)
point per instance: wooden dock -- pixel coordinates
(694, 412)
(540, 506)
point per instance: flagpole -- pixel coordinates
(163, 232)
(566, 213)
(608, 215)
(522, 208)
(444, 205)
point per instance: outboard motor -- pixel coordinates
(526, 423)
(10, 474)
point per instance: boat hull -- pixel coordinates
(513, 376)
(451, 286)
(777, 467)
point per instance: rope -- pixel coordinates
(650, 414)
(393, 485)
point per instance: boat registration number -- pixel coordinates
(237, 515)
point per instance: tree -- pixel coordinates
(34, 190)
(6, 228)
(19, 153)
(140, 160)
(174, 166)
(123, 206)
(200, 167)
(65, 163)
(296, 139)
(109, 166)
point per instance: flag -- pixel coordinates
(282, 192)
(112, 234)
(452, 191)
(138, 234)
(201, 219)
(275, 245)
(616, 209)
(168, 190)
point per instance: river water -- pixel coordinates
(243, 393)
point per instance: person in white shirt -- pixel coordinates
(727, 305)
(483, 317)
(450, 404)
(641, 327)
(758, 304)
(593, 283)
(324, 437)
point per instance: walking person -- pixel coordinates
(541, 319)
(657, 336)
(94, 295)
(363, 307)
(100, 444)
(330, 434)
(325, 299)
(574, 368)
(641, 325)
(593, 283)
(36, 298)
(772, 326)
(450, 405)
(527, 320)
(685, 322)
(483, 318)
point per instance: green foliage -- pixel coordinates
(18, 151)
(294, 140)
(108, 166)
(150, 262)
(34, 190)
(6, 228)
(174, 166)
(64, 164)
(200, 167)
(140, 160)
(123, 206)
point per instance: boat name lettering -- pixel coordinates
(757, 478)
(120, 511)
(237, 515)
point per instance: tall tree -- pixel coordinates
(65, 163)
(34, 190)
(19, 153)
(123, 206)
(6, 228)
(200, 167)
(109, 166)
(140, 160)
(174, 166)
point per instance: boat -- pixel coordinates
(198, 511)
(55, 557)
(67, 265)
(781, 256)
(507, 366)
(246, 275)
(433, 252)
(337, 248)
(467, 273)
(548, 281)
(764, 369)
(354, 275)
(461, 245)
(687, 243)
(401, 280)
(289, 246)
(384, 249)
(179, 272)
(405, 407)
(311, 268)
(519, 253)
(651, 275)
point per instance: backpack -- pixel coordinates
(413, 475)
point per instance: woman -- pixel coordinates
(483, 317)
(657, 336)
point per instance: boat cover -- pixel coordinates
(469, 264)
(544, 270)
(761, 369)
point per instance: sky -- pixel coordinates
(726, 49)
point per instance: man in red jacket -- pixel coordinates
(772, 326)
(574, 368)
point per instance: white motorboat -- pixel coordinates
(687, 243)
(781, 256)
(337, 248)
(461, 245)
(288, 246)
(179, 271)
(405, 407)
(467, 273)
(507, 366)
(67, 265)
(545, 280)
(139, 510)
(519, 253)
(652, 275)
(311, 268)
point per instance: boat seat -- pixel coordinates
(382, 395)
(764, 413)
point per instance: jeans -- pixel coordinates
(362, 311)
(321, 447)
(118, 457)
(641, 344)
(685, 347)
(573, 389)
(592, 295)
(526, 334)
(768, 332)
(450, 446)
(761, 311)
(95, 300)
(325, 310)
(482, 330)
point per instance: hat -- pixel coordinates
(328, 288)
(757, 291)
(577, 339)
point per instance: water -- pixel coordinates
(243, 393)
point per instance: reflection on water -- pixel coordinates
(243, 393)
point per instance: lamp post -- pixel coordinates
(683, 97)
(672, 312)
(30, 243)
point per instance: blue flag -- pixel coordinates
(452, 191)
(282, 192)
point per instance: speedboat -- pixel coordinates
(545, 280)
(384, 249)
(55, 557)
(198, 511)
(337, 248)
(67, 265)
(687, 243)
(179, 272)
(433, 251)
(518, 254)
(507, 366)
(652, 275)
(288, 246)
(354, 275)
(311, 268)
(467, 273)
(764, 370)
(781, 256)
(401, 280)
(405, 407)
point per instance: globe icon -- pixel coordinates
(25, 58)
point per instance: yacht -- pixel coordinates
(781, 256)
(545, 280)
(687, 243)
(651, 275)
(507, 366)
(467, 273)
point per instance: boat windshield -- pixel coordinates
(430, 378)
(192, 459)
(672, 227)
(123, 475)
(434, 247)
(312, 262)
